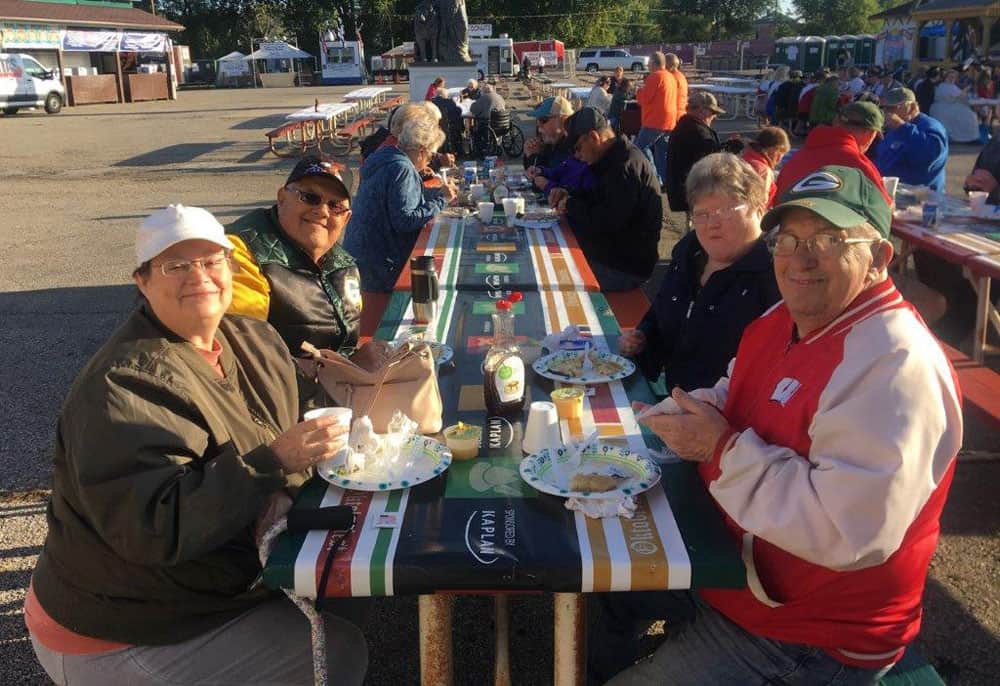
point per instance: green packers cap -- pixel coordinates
(864, 115)
(898, 96)
(843, 196)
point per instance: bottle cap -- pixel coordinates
(503, 305)
(516, 297)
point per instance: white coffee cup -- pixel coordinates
(542, 430)
(977, 201)
(510, 210)
(485, 212)
(344, 416)
(891, 183)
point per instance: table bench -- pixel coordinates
(980, 386)
(345, 136)
(288, 140)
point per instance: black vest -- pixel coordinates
(309, 302)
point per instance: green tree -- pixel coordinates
(823, 17)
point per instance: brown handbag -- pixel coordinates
(407, 381)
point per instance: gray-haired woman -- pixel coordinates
(391, 205)
(720, 279)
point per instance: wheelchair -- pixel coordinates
(498, 136)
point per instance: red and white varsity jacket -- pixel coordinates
(834, 484)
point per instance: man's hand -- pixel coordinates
(692, 435)
(540, 182)
(447, 159)
(532, 172)
(980, 180)
(533, 146)
(556, 196)
(893, 121)
(631, 342)
(372, 355)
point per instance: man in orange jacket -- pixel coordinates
(658, 100)
(674, 69)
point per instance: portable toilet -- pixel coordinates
(852, 44)
(813, 54)
(833, 45)
(781, 50)
(866, 51)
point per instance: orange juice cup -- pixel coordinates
(568, 401)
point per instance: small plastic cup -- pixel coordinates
(542, 430)
(344, 416)
(891, 184)
(463, 440)
(568, 401)
(477, 191)
(485, 212)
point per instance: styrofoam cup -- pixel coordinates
(477, 191)
(344, 416)
(542, 430)
(977, 201)
(485, 212)
(510, 210)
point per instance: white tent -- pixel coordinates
(278, 50)
(231, 68)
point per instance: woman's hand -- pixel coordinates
(309, 442)
(632, 342)
(450, 191)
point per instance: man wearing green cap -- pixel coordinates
(915, 147)
(830, 447)
(550, 147)
(844, 143)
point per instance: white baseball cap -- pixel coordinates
(173, 224)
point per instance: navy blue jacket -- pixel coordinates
(389, 209)
(916, 152)
(692, 331)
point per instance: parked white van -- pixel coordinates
(26, 83)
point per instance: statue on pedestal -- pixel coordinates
(441, 31)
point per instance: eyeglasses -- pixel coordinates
(722, 214)
(819, 244)
(176, 269)
(315, 200)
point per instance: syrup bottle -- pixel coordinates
(503, 369)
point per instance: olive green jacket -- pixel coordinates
(160, 470)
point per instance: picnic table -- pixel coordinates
(561, 88)
(961, 239)
(478, 527)
(738, 101)
(368, 97)
(580, 93)
(310, 127)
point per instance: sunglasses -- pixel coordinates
(315, 200)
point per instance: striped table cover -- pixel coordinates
(479, 527)
(471, 256)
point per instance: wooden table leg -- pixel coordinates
(501, 668)
(570, 639)
(981, 284)
(436, 664)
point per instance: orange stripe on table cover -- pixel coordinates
(339, 582)
(599, 555)
(649, 567)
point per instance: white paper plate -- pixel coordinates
(538, 471)
(541, 366)
(430, 459)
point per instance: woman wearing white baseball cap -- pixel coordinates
(174, 439)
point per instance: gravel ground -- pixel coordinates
(74, 187)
